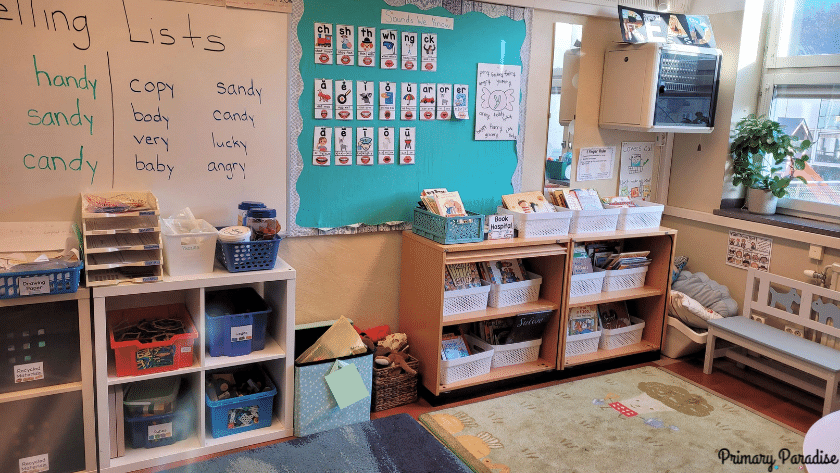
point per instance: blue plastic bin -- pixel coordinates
(240, 414)
(162, 429)
(62, 281)
(448, 230)
(248, 255)
(236, 321)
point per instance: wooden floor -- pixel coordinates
(780, 402)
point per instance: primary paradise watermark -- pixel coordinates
(784, 457)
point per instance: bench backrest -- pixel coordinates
(797, 303)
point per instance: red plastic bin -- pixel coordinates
(135, 358)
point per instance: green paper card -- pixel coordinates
(347, 386)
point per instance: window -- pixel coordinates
(801, 90)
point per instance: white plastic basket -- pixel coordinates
(190, 253)
(465, 300)
(586, 284)
(594, 221)
(513, 293)
(582, 343)
(622, 337)
(471, 366)
(540, 224)
(516, 353)
(643, 215)
(622, 279)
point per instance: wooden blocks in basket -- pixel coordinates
(394, 387)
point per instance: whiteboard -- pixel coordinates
(182, 99)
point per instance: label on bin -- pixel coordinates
(33, 285)
(241, 333)
(160, 431)
(29, 372)
(34, 464)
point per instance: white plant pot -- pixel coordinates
(760, 201)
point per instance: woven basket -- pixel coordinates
(623, 279)
(582, 343)
(394, 387)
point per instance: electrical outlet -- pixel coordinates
(815, 252)
(661, 138)
(758, 318)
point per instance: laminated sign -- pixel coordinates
(409, 51)
(407, 145)
(408, 101)
(323, 43)
(364, 146)
(388, 49)
(462, 101)
(387, 104)
(386, 145)
(444, 101)
(343, 146)
(323, 99)
(345, 51)
(322, 150)
(428, 51)
(364, 100)
(367, 46)
(344, 99)
(427, 101)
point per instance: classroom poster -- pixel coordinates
(444, 101)
(595, 163)
(497, 102)
(409, 51)
(636, 172)
(428, 51)
(364, 145)
(427, 102)
(345, 47)
(323, 43)
(367, 46)
(749, 251)
(343, 146)
(344, 99)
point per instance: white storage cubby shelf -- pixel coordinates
(84, 388)
(276, 286)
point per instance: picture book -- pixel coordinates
(572, 202)
(583, 319)
(614, 315)
(463, 275)
(428, 198)
(581, 263)
(448, 283)
(449, 204)
(453, 347)
(496, 331)
(588, 199)
(491, 272)
(527, 202)
(528, 326)
(510, 270)
(617, 201)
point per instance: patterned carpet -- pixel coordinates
(639, 420)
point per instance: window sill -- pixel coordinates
(784, 221)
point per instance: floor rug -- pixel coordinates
(394, 444)
(639, 420)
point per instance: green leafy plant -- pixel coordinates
(760, 151)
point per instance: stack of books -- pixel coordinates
(577, 199)
(634, 259)
(461, 276)
(516, 329)
(453, 346)
(618, 201)
(502, 271)
(442, 202)
(527, 203)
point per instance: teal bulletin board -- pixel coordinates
(446, 153)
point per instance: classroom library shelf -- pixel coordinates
(421, 298)
(276, 286)
(47, 397)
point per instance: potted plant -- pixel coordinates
(760, 152)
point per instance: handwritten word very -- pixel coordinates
(58, 80)
(163, 37)
(231, 143)
(233, 89)
(56, 118)
(228, 168)
(151, 87)
(156, 166)
(57, 163)
(148, 117)
(151, 140)
(219, 115)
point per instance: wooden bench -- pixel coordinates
(814, 311)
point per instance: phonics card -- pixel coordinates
(428, 51)
(387, 103)
(408, 101)
(344, 99)
(323, 43)
(409, 51)
(386, 145)
(367, 46)
(323, 99)
(343, 146)
(388, 49)
(407, 145)
(444, 101)
(364, 100)
(364, 146)
(345, 46)
(427, 102)
(322, 148)
(462, 101)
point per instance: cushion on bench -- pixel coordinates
(781, 341)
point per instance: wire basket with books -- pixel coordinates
(588, 213)
(510, 283)
(624, 271)
(463, 357)
(618, 327)
(463, 289)
(515, 340)
(635, 214)
(534, 216)
(584, 331)
(440, 216)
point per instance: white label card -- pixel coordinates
(323, 43)
(35, 464)
(29, 372)
(343, 146)
(428, 51)
(462, 101)
(344, 99)
(364, 146)
(367, 46)
(345, 47)
(408, 100)
(388, 49)
(407, 145)
(243, 333)
(499, 227)
(444, 101)
(364, 100)
(387, 103)
(31, 285)
(160, 431)
(427, 102)
(323, 99)
(386, 145)
(409, 51)
(321, 151)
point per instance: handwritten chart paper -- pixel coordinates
(497, 102)
(636, 172)
(595, 163)
(35, 236)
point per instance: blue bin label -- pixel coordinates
(160, 432)
(242, 333)
(243, 417)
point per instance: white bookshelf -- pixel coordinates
(276, 286)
